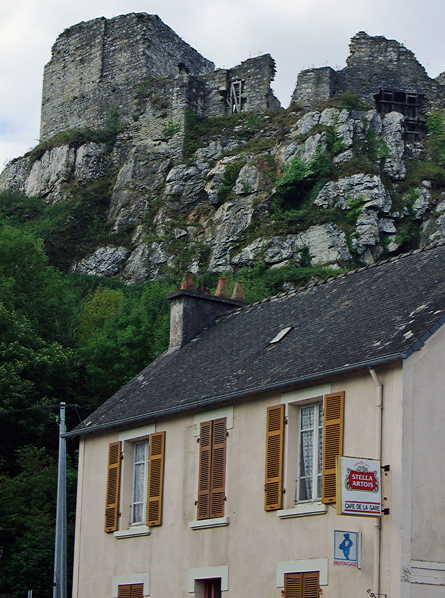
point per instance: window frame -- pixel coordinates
(145, 443)
(291, 403)
(123, 524)
(317, 454)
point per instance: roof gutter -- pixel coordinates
(237, 395)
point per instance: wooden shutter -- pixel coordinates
(155, 478)
(274, 458)
(212, 469)
(302, 585)
(332, 443)
(217, 487)
(124, 591)
(113, 484)
(311, 585)
(135, 590)
(205, 470)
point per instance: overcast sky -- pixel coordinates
(297, 33)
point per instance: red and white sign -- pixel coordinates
(358, 487)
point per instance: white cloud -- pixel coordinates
(297, 33)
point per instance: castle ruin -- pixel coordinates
(135, 66)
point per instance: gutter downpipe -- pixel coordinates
(378, 455)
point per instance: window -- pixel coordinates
(308, 486)
(212, 466)
(147, 474)
(316, 438)
(135, 590)
(140, 470)
(212, 588)
(302, 585)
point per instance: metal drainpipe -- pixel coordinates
(378, 455)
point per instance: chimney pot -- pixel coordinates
(221, 289)
(238, 291)
(187, 283)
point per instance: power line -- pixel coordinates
(39, 407)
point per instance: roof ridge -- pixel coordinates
(316, 283)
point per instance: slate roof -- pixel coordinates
(366, 317)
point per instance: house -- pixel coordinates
(213, 472)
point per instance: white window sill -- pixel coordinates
(132, 532)
(206, 523)
(303, 509)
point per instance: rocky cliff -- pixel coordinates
(195, 168)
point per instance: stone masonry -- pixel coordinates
(136, 68)
(101, 65)
(374, 64)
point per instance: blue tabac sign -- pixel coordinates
(347, 549)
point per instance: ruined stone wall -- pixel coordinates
(314, 86)
(374, 63)
(98, 66)
(255, 76)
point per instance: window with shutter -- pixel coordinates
(273, 485)
(142, 494)
(302, 585)
(314, 439)
(212, 467)
(135, 590)
(113, 486)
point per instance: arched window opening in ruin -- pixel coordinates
(408, 104)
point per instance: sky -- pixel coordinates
(298, 34)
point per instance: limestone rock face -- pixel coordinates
(105, 261)
(321, 244)
(393, 138)
(142, 174)
(188, 167)
(230, 220)
(48, 173)
(364, 188)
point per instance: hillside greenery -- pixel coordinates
(77, 339)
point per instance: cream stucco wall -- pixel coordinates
(254, 542)
(423, 553)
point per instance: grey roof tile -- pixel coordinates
(371, 315)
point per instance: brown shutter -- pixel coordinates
(135, 590)
(124, 591)
(311, 586)
(302, 585)
(155, 478)
(292, 585)
(113, 484)
(205, 470)
(274, 458)
(217, 487)
(332, 443)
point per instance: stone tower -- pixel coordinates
(97, 68)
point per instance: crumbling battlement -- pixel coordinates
(115, 66)
(136, 68)
(375, 64)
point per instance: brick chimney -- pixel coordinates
(191, 311)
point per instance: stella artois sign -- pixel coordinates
(358, 487)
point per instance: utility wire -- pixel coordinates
(39, 407)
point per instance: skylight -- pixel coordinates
(280, 335)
